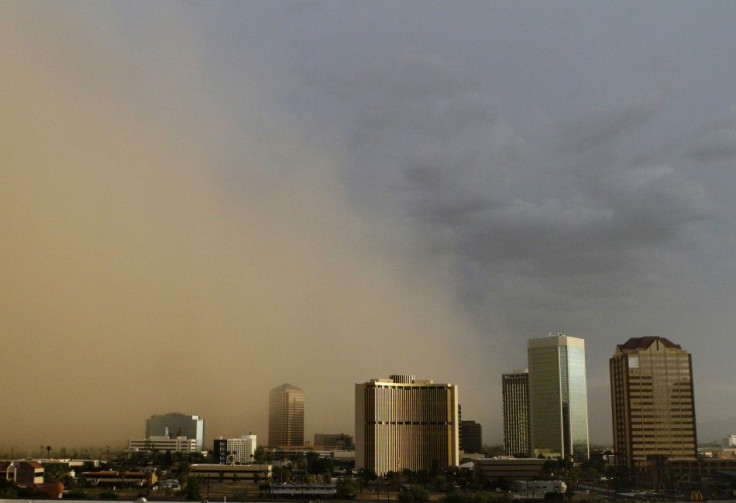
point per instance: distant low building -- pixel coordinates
(163, 444)
(109, 478)
(340, 441)
(22, 473)
(510, 468)
(245, 475)
(316, 491)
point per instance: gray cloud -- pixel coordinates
(714, 146)
(602, 129)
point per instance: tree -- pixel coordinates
(395, 479)
(282, 474)
(168, 460)
(7, 490)
(192, 491)
(454, 497)
(553, 497)
(367, 475)
(347, 488)
(259, 455)
(415, 494)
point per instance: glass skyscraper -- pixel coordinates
(558, 397)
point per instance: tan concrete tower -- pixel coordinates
(404, 423)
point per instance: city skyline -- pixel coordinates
(203, 200)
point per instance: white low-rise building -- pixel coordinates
(163, 444)
(235, 450)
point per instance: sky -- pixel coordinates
(200, 201)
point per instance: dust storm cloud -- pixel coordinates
(161, 252)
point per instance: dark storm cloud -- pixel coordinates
(461, 174)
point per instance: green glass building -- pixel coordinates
(558, 397)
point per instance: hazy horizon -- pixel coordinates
(202, 201)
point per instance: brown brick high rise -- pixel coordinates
(652, 402)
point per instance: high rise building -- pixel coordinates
(471, 437)
(234, 450)
(405, 423)
(286, 417)
(558, 397)
(175, 424)
(516, 422)
(652, 402)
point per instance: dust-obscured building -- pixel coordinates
(175, 424)
(286, 417)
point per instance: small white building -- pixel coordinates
(235, 450)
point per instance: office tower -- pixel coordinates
(286, 417)
(405, 423)
(516, 423)
(652, 402)
(558, 397)
(175, 424)
(471, 437)
(234, 450)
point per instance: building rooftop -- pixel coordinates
(645, 342)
